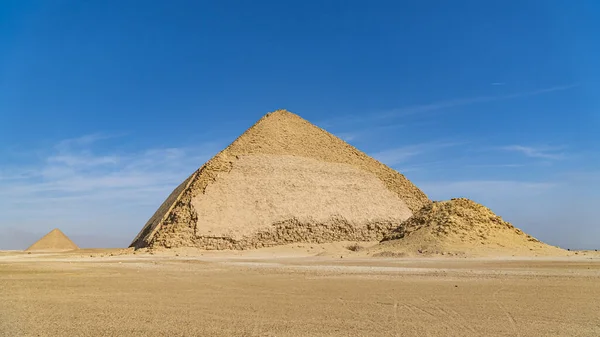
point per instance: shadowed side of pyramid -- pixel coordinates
(54, 241)
(284, 180)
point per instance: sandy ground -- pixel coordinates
(257, 294)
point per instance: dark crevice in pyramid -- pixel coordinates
(56, 240)
(284, 180)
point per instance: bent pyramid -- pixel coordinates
(53, 242)
(284, 180)
(462, 226)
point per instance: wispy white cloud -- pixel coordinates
(496, 165)
(398, 155)
(83, 160)
(81, 184)
(89, 176)
(366, 131)
(416, 109)
(544, 152)
(402, 154)
(375, 117)
(83, 141)
(422, 167)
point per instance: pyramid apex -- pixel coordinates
(281, 117)
(280, 112)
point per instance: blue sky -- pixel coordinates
(106, 106)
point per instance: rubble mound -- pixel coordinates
(55, 241)
(460, 227)
(282, 181)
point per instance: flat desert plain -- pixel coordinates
(288, 293)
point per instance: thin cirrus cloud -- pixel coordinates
(495, 165)
(435, 106)
(411, 110)
(75, 180)
(549, 153)
(403, 154)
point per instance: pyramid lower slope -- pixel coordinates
(284, 180)
(461, 227)
(53, 241)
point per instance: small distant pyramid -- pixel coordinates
(284, 180)
(461, 226)
(54, 241)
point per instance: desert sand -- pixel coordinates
(291, 291)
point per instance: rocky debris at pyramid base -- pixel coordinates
(291, 231)
(282, 181)
(55, 241)
(460, 227)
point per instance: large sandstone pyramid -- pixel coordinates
(54, 241)
(284, 180)
(461, 227)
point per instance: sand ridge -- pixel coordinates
(277, 138)
(460, 227)
(54, 241)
